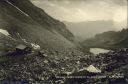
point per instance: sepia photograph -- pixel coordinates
(63, 41)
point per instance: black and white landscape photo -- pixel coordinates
(63, 41)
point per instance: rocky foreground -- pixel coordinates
(49, 68)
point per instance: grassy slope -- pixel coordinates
(32, 28)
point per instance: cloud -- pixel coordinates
(121, 17)
(85, 10)
(73, 2)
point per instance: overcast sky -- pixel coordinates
(86, 10)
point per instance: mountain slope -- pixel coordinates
(23, 20)
(110, 39)
(41, 17)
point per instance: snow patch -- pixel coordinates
(24, 40)
(17, 8)
(35, 46)
(68, 73)
(93, 69)
(98, 50)
(5, 32)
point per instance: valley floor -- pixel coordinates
(40, 67)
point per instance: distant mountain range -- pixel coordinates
(28, 23)
(87, 29)
(110, 39)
